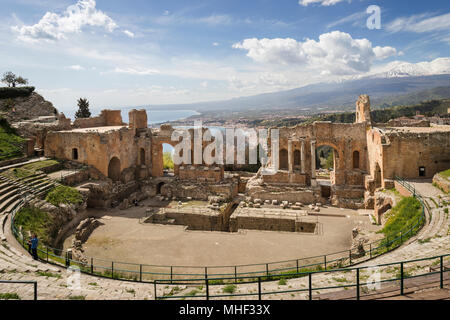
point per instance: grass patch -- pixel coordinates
(35, 166)
(48, 274)
(64, 194)
(282, 282)
(93, 284)
(401, 217)
(231, 288)
(421, 241)
(9, 296)
(34, 220)
(215, 282)
(77, 298)
(10, 143)
(192, 293)
(445, 174)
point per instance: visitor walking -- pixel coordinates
(34, 246)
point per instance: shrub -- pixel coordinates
(9, 296)
(35, 221)
(64, 194)
(10, 143)
(402, 217)
(10, 92)
(231, 288)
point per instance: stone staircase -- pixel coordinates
(14, 191)
(15, 265)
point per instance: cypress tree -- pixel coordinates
(83, 109)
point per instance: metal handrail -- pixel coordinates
(34, 283)
(210, 281)
(376, 249)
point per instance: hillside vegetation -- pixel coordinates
(7, 92)
(10, 143)
(427, 108)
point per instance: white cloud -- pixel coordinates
(335, 53)
(136, 71)
(321, 2)
(55, 26)
(76, 67)
(420, 23)
(129, 33)
(215, 44)
(382, 53)
(354, 18)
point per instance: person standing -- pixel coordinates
(34, 246)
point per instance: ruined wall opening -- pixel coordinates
(158, 187)
(74, 154)
(377, 176)
(297, 157)
(284, 161)
(355, 159)
(325, 161)
(142, 157)
(168, 165)
(114, 169)
(422, 172)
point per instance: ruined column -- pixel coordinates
(302, 160)
(313, 163)
(290, 164)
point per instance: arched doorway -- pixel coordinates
(167, 160)
(284, 162)
(114, 169)
(158, 187)
(326, 161)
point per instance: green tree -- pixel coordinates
(83, 109)
(330, 161)
(21, 80)
(10, 79)
(168, 161)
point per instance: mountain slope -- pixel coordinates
(325, 95)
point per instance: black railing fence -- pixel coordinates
(34, 283)
(232, 273)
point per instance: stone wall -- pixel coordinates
(270, 223)
(406, 152)
(105, 119)
(305, 196)
(201, 173)
(196, 221)
(96, 149)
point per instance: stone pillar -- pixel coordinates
(313, 163)
(290, 163)
(302, 160)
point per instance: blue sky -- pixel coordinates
(125, 53)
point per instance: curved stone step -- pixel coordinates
(5, 187)
(15, 204)
(6, 203)
(19, 263)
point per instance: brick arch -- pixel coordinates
(340, 161)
